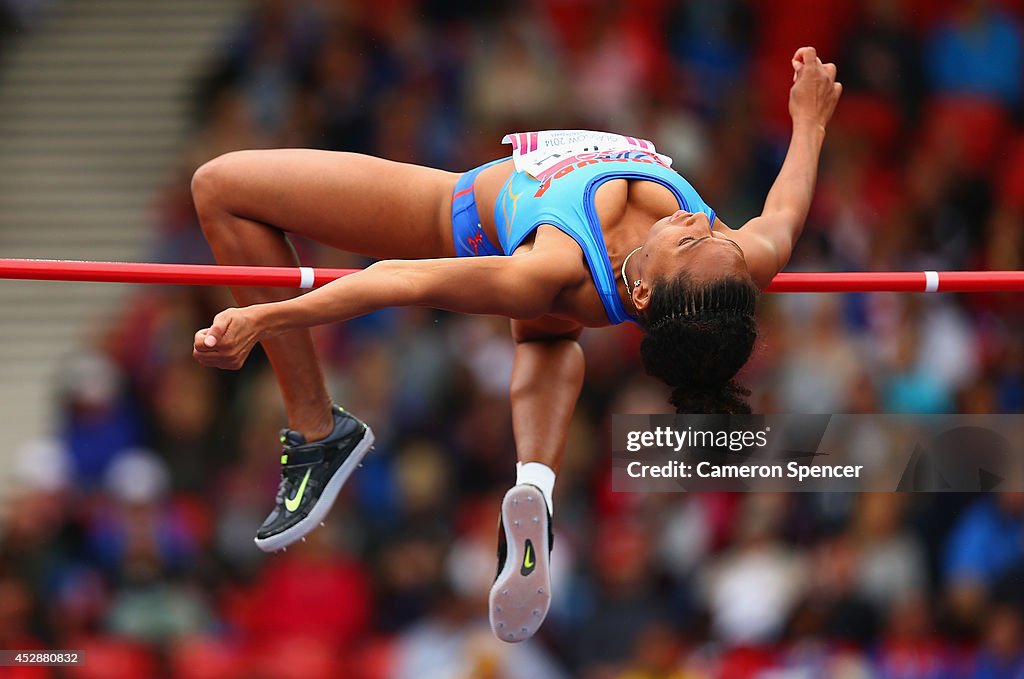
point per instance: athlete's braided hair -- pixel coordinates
(698, 335)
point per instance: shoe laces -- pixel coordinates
(289, 440)
(283, 486)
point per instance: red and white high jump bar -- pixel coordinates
(307, 277)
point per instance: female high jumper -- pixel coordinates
(571, 232)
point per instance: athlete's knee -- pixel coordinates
(211, 181)
(213, 185)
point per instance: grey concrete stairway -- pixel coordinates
(93, 111)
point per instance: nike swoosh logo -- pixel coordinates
(292, 503)
(528, 560)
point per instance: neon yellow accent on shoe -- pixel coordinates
(284, 459)
(283, 439)
(291, 504)
(528, 558)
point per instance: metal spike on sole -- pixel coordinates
(519, 601)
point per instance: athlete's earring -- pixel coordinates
(636, 283)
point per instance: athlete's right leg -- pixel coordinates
(246, 201)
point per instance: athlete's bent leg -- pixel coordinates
(236, 240)
(246, 201)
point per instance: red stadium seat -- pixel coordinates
(374, 660)
(301, 658)
(924, 14)
(207, 658)
(27, 673)
(970, 128)
(788, 25)
(304, 593)
(113, 659)
(1011, 180)
(873, 119)
(745, 662)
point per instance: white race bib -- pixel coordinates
(541, 154)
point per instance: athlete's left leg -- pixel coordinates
(547, 376)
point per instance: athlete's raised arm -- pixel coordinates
(768, 240)
(522, 286)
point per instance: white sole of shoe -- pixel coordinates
(323, 506)
(521, 594)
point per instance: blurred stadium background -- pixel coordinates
(135, 479)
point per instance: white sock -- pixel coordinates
(539, 475)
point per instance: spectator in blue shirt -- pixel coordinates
(986, 543)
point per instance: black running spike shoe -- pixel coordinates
(521, 593)
(312, 474)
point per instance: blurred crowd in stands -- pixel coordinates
(130, 535)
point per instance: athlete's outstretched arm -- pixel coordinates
(522, 286)
(547, 376)
(768, 240)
